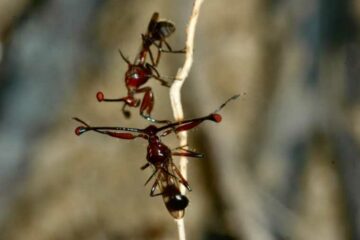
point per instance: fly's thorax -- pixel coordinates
(157, 152)
(136, 76)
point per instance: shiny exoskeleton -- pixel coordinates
(140, 71)
(135, 77)
(167, 176)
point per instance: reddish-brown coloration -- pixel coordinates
(135, 77)
(122, 135)
(100, 96)
(217, 117)
(168, 177)
(78, 130)
(140, 71)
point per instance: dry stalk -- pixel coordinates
(175, 97)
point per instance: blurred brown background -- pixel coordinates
(283, 163)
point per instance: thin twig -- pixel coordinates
(175, 97)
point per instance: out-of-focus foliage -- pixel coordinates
(283, 163)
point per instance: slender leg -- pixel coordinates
(124, 58)
(153, 188)
(146, 165)
(151, 176)
(159, 47)
(170, 174)
(147, 102)
(153, 62)
(159, 50)
(168, 46)
(146, 45)
(187, 153)
(147, 105)
(156, 183)
(156, 75)
(182, 179)
(173, 51)
(158, 54)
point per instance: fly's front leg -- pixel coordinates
(147, 102)
(147, 105)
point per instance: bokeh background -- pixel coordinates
(283, 163)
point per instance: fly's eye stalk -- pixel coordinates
(100, 96)
(80, 130)
(215, 117)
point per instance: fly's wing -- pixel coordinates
(163, 30)
(153, 22)
(174, 201)
(158, 30)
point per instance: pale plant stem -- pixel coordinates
(175, 97)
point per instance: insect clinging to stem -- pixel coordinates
(167, 176)
(140, 71)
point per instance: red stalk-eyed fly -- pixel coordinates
(135, 77)
(140, 71)
(168, 177)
